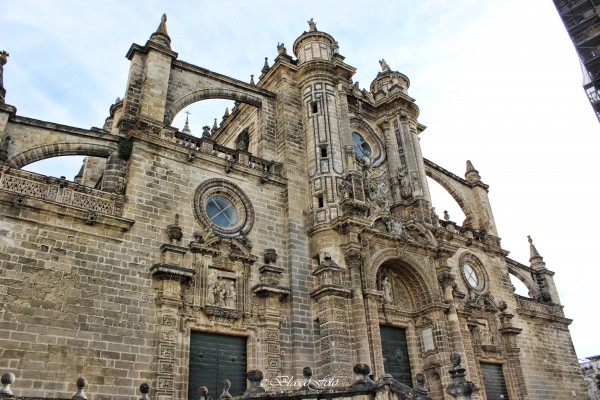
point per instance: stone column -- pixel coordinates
(372, 300)
(169, 276)
(360, 336)
(509, 339)
(333, 322)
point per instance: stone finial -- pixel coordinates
(162, 27)
(265, 67)
(203, 392)
(226, 115)
(270, 256)
(81, 385)
(362, 372)
(533, 252)
(186, 127)
(7, 380)
(252, 80)
(308, 384)
(460, 388)
(174, 230)
(161, 36)
(446, 215)
(3, 60)
(421, 390)
(255, 377)
(226, 387)
(472, 175)
(312, 25)
(206, 131)
(384, 65)
(215, 127)
(144, 389)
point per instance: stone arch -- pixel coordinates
(449, 187)
(524, 276)
(416, 282)
(212, 93)
(32, 155)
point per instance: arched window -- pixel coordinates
(361, 147)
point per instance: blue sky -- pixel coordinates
(497, 82)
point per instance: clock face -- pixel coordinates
(471, 275)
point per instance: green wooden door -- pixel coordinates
(395, 354)
(214, 358)
(493, 380)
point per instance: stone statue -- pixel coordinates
(387, 290)
(384, 65)
(281, 49)
(312, 26)
(221, 292)
(344, 188)
(211, 285)
(231, 294)
(405, 187)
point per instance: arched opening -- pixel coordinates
(443, 201)
(203, 113)
(67, 166)
(520, 288)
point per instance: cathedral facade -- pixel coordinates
(299, 232)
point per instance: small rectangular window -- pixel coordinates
(323, 151)
(314, 106)
(320, 200)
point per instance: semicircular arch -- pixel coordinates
(525, 278)
(469, 215)
(204, 94)
(59, 150)
(419, 285)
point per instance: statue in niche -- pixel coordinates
(220, 294)
(406, 190)
(485, 336)
(231, 295)
(211, 285)
(345, 188)
(387, 290)
(394, 226)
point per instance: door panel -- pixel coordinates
(493, 380)
(395, 354)
(214, 358)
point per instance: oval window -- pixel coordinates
(221, 211)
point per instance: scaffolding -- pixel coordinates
(582, 21)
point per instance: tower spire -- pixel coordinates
(186, 128)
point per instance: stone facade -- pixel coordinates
(591, 374)
(303, 224)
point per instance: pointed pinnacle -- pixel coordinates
(533, 253)
(162, 27)
(266, 67)
(226, 115)
(252, 80)
(215, 126)
(470, 166)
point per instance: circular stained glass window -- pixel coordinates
(221, 211)
(361, 147)
(471, 275)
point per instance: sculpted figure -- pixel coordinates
(312, 25)
(387, 290)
